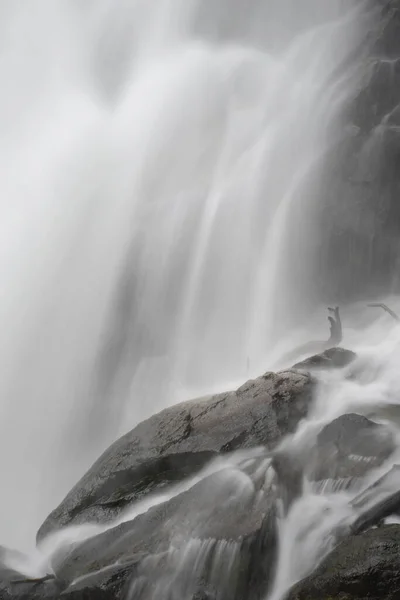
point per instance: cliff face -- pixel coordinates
(359, 209)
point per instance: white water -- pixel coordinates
(308, 531)
(38, 562)
(151, 155)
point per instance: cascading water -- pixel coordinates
(309, 530)
(369, 387)
(152, 158)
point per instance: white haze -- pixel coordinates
(151, 155)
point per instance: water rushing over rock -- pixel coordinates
(167, 179)
(153, 163)
(239, 526)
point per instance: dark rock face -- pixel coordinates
(14, 584)
(221, 534)
(359, 249)
(344, 452)
(362, 567)
(333, 358)
(112, 584)
(373, 508)
(364, 564)
(350, 447)
(180, 440)
(222, 531)
(21, 588)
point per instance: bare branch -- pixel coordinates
(386, 309)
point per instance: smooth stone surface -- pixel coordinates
(179, 441)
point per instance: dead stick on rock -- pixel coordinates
(386, 309)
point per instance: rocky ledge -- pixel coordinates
(180, 440)
(201, 489)
(362, 567)
(185, 506)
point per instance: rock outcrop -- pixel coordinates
(227, 519)
(15, 585)
(349, 447)
(216, 537)
(364, 564)
(180, 440)
(221, 528)
(332, 358)
(343, 453)
(359, 249)
(362, 567)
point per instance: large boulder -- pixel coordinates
(349, 447)
(219, 535)
(215, 536)
(179, 441)
(332, 358)
(379, 501)
(341, 455)
(219, 541)
(362, 567)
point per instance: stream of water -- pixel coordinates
(155, 157)
(369, 386)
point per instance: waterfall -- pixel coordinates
(309, 531)
(159, 165)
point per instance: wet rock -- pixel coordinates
(199, 513)
(344, 452)
(333, 358)
(14, 584)
(7, 573)
(362, 567)
(289, 469)
(349, 447)
(220, 535)
(367, 548)
(379, 501)
(383, 485)
(179, 441)
(18, 587)
(112, 584)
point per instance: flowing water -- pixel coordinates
(309, 530)
(157, 163)
(369, 387)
